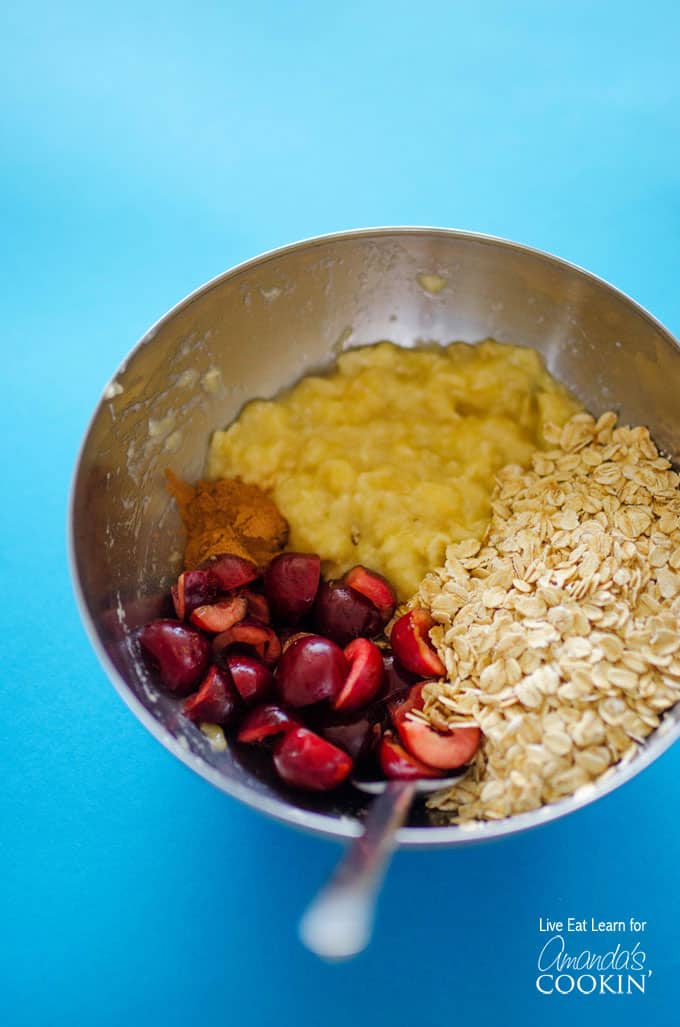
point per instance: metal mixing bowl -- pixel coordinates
(258, 328)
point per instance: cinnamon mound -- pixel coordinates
(227, 516)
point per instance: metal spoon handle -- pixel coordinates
(338, 923)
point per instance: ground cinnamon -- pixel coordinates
(227, 516)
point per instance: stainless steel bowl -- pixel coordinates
(258, 328)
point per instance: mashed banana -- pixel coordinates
(391, 456)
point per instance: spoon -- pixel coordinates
(339, 921)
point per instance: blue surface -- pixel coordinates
(147, 147)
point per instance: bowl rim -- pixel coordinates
(344, 828)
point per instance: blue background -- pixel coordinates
(145, 148)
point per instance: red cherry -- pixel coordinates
(290, 583)
(220, 616)
(443, 750)
(311, 669)
(397, 680)
(179, 653)
(376, 589)
(265, 721)
(398, 764)
(403, 704)
(341, 613)
(365, 675)
(249, 633)
(215, 702)
(194, 588)
(258, 607)
(304, 760)
(231, 571)
(355, 733)
(254, 681)
(410, 641)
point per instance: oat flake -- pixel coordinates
(560, 631)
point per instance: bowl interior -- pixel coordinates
(256, 330)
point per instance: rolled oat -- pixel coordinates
(560, 632)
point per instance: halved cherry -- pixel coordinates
(194, 588)
(398, 680)
(290, 583)
(249, 633)
(215, 702)
(179, 653)
(443, 750)
(410, 641)
(366, 672)
(305, 760)
(355, 733)
(407, 701)
(220, 616)
(254, 681)
(311, 669)
(265, 721)
(341, 613)
(231, 571)
(398, 764)
(258, 607)
(396, 683)
(375, 587)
